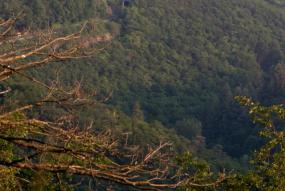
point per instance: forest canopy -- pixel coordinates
(168, 69)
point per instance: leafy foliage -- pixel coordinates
(175, 64)
(269, 160)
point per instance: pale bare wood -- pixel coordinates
(145, 170)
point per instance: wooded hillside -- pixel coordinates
(178, 64)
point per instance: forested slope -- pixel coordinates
(184, 62)
(181, 61)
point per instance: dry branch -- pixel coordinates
(43, 144)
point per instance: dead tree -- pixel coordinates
(62, 146)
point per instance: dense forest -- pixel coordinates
(170, 69)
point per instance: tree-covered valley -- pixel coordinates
(167, 70)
